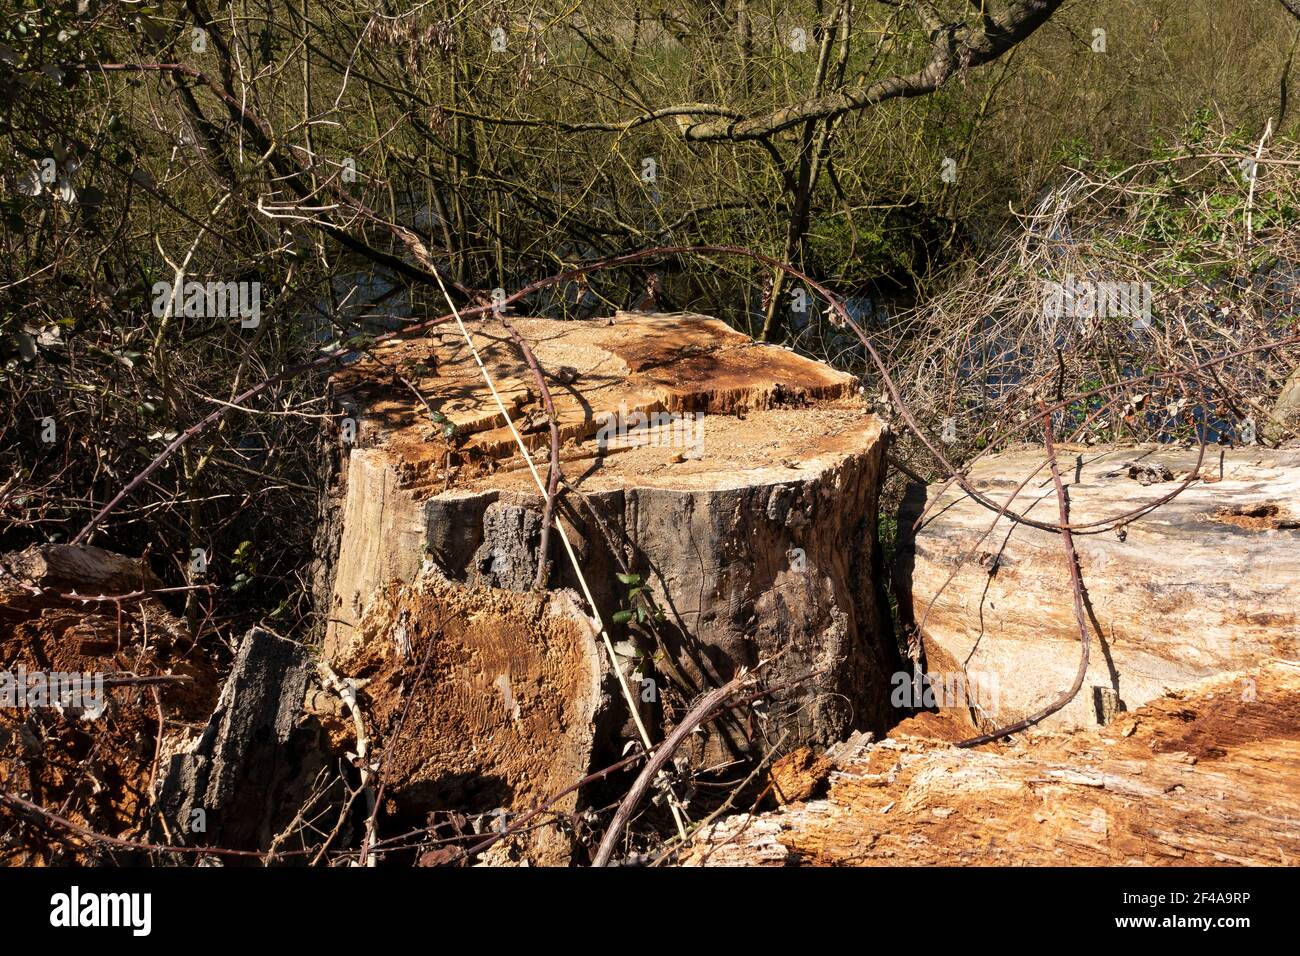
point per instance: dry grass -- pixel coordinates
(1222, 269)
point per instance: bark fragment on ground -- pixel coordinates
(1206, 583)
(760, 539)
(1209, 775)
(260, 762)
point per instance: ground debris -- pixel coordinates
(1197, 777)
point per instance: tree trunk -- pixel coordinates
(751, 529)
(1205, 583)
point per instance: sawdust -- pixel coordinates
(1199, 777)
(1258, 518)
(799, 776)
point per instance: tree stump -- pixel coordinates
(736, 485)
(1206, 583)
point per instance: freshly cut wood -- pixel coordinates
(1207, 582)
(738, 482)
(1206, 776)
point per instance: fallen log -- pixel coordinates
(36, 578)
(733, 486)
(1206, 776)
(1204, 583)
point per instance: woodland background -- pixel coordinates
(339, 152)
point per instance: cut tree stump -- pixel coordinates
(1207, 776)
(1208, 582)
(757, 542)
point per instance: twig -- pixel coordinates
(676, 845)
(347, 690)
(1076, 584)
(13, 800)
(549, 802)
(553, 475)
(709, 703)
(564, 538)
(1254, 175)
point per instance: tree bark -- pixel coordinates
(258, 762)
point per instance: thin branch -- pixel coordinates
(1076, 585)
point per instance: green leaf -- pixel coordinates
(630, 578)
(622, 617)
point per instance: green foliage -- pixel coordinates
(641, 607)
